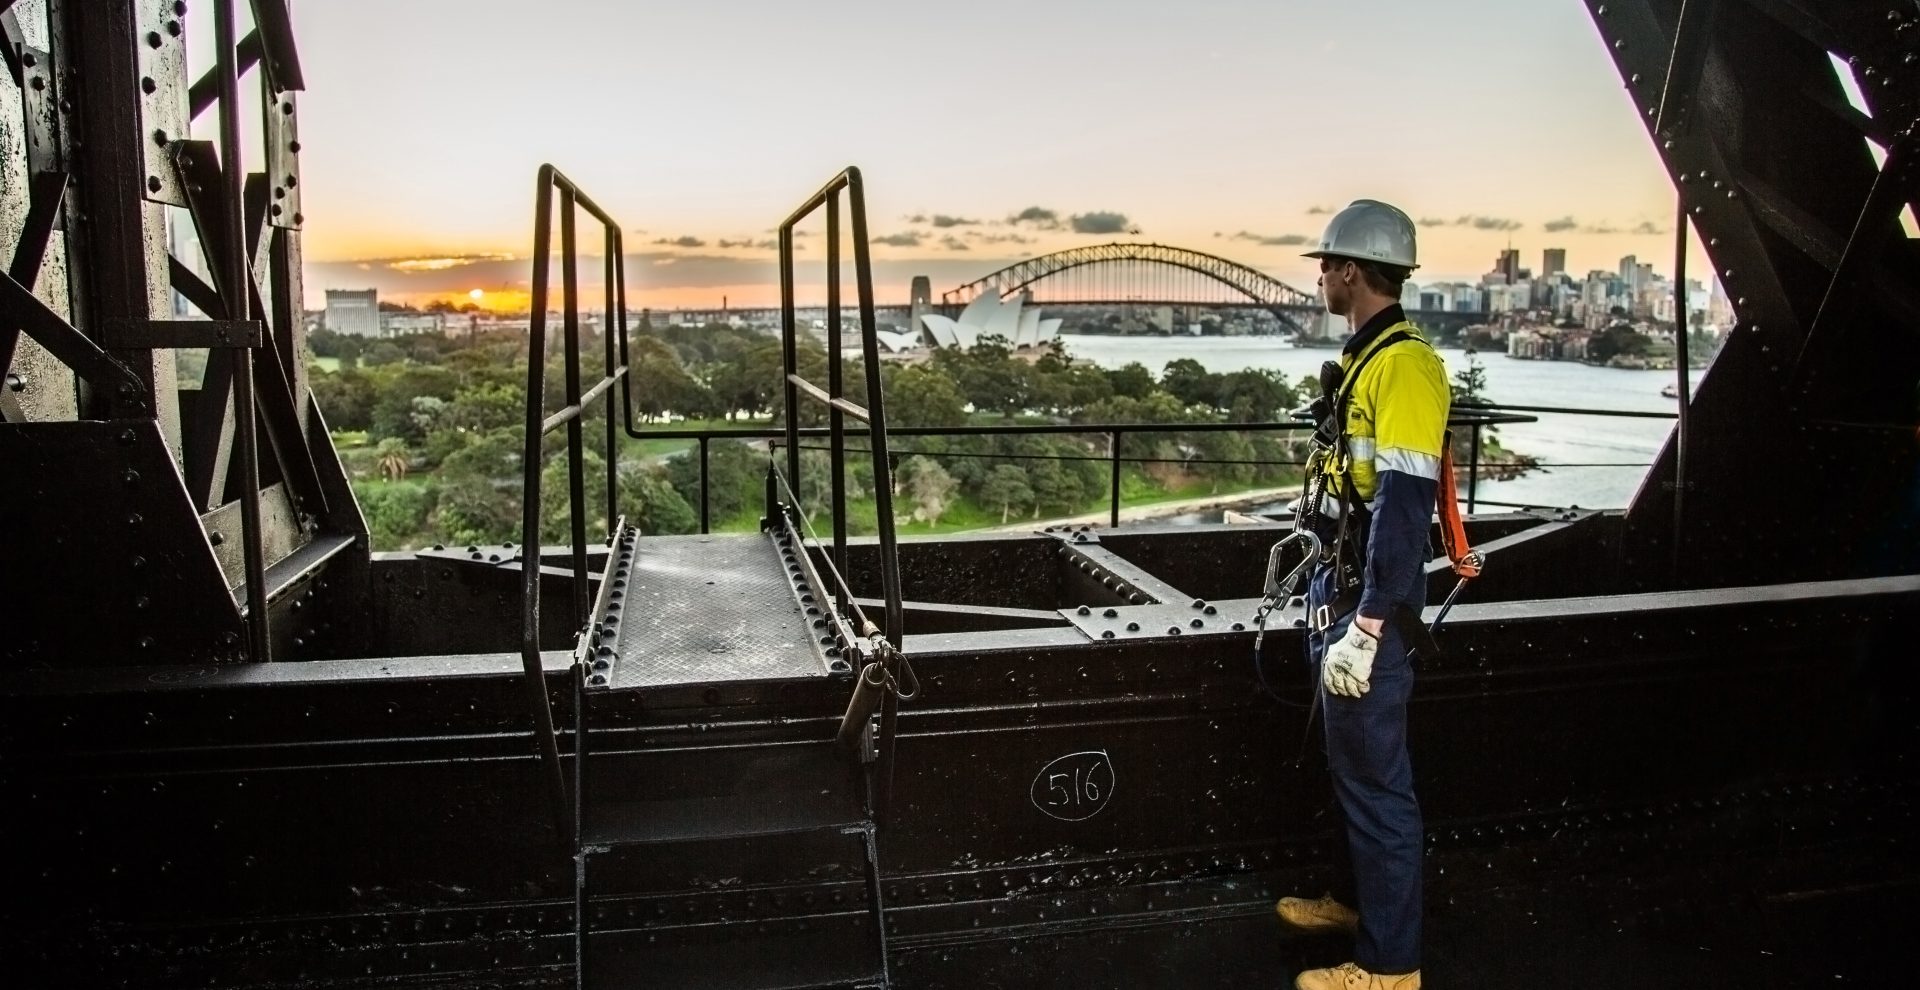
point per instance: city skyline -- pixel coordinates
(1231, 128)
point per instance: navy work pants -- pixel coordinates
(1380, 850)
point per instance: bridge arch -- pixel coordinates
(1285, 302)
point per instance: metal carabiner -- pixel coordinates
(1279, 588)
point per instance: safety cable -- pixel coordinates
(839, 580)
(883, 647)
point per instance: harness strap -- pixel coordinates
(1453, 532)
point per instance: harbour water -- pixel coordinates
(1588, 461)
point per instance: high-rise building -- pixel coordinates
(1552, 262)
(355, 311)
(1508, 265)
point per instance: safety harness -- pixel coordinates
(1347, 551)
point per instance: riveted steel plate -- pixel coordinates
(702, 609)
(1197, 618)
(161, 44)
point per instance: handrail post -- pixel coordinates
(607, 318)
(1113, 501)
(535, 671)
(836, 385)
(706, 521)
(1473, 468)
(576, 471)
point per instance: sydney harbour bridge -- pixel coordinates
(1127, 275)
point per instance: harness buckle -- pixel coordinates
(1322, 618)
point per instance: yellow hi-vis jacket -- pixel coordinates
(1396, 415)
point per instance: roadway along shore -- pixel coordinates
(1156, 510)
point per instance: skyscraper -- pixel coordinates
(1552, 262)
(1509, 264)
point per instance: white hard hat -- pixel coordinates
(1369, 230)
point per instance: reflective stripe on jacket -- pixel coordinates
(1396, 414)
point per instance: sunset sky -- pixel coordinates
(1221, 126)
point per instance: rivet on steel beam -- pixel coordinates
(1199, 603)
(1111, 613)
(1106, 634)
(1133, 627)
(1238, 626)
(1173, 630)
(1197, 623)
(1083, 610)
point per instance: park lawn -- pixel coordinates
(330, 365)
(654, 448)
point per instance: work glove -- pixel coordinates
(1349, 663)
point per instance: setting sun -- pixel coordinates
(477, 295)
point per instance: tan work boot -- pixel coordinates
(1349, 976)
(1317, 916)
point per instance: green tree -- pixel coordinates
(480, 490)
(396, 514)
(395, 414)
(1620, 340)
(393, 458)
(736, 477)
(1006, 486)
(556, 503)
(383, 352)
(931, 486)
(922, 395)
(346, 397)
(1191, 383)
(660, 384)
(1131, 380)
(1265, 394)
(653, 505)
(1055, 488)
(1225, 458)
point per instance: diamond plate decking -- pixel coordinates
(703, 609)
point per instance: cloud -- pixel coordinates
(953, 243)
(1102, 222)
(413, 265)
(906, 238)
(683, 241)
(1560, 225)
(1600, 228)
(942, 221)
(1648, 227)
(1488, 223)
(748, 242)
(1037, 216)
(1432, 222)
(1316, 211)
(1008, 238)
(1271, 240)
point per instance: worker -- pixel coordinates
(1377, 463)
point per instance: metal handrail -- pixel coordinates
(892, 633)
(538, 426)
(1483, 417)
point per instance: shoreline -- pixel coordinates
(1155, 510)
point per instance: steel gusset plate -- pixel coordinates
(161, 41)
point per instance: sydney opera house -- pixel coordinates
(989, 315)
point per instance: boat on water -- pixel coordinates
(1670, 391)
